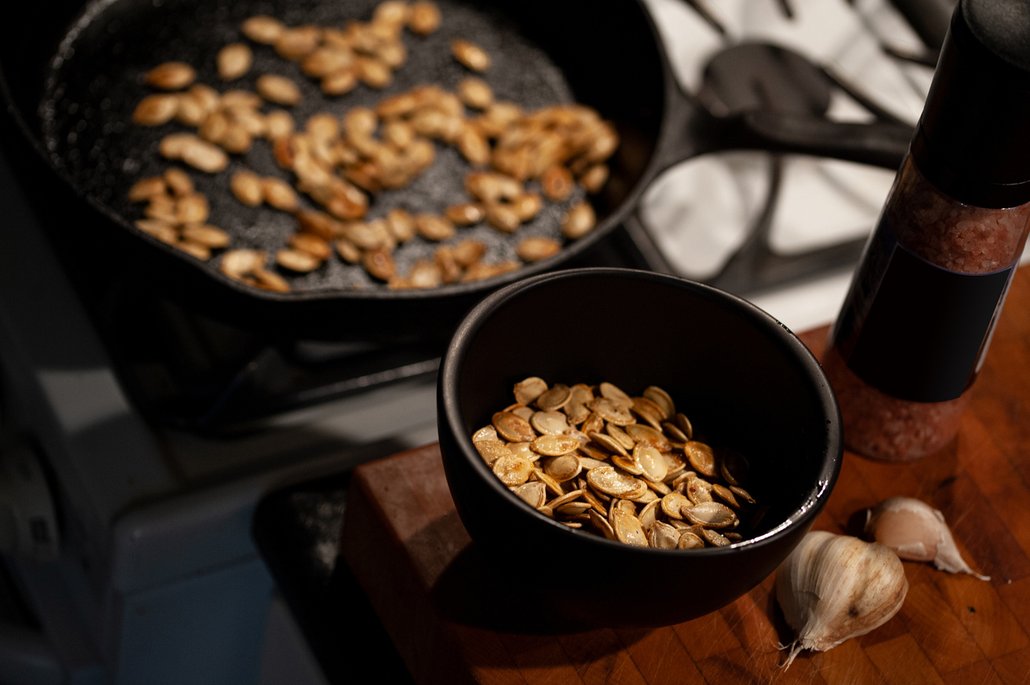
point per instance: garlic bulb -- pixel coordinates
(916, 531)
(835, 587)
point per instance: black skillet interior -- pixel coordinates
(79, 106)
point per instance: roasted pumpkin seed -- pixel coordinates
(528, 206)
(553, 486)
(533, 493)
(701, 457)
(178, 182)
(714, 537)
(711, 515)
(661, 399)
(608, 480)
(485, 433)
(647, 435)
(563, 467)
(742, 494)
(246, 187)
(529, 389)
(579, 221)
(725, 494)
(621, 436)
(316, 246)
(191, 209)
(156, 228)
(297, 42)
(551, 445)
(234, 61)
(673, 504)
(683, 423)
(340, 82)
(209, 236)
(147, 188)
(297, 261)
(470, 55)
(327, 60)
(240, 263)
(512, 427)
(612, 411)
(663, 536)
(475, 93)
(697, 490)
(279, 194)
(434, 227)
(524, 450)
(554, 398)
(171, 76)
(278, 89)
(600, 522)
(549, 422)
(594, 178)
(424, 17)
(512, 470)
(263, 29)
(535, 249)
(379, 264)
(628, 529)
(155, 110)
(491, 450)
(201, 252)
(690, 540)
(651, 461)
(557, 183)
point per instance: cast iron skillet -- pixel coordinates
(71, 76)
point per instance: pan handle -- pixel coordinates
(691, 130)
(878, 143)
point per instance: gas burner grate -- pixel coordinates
(748, 222)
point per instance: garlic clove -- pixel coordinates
(917, 532)
(835, 587)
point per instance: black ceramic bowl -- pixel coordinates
(744, 380)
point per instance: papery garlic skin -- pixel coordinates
(917, 532)
(835, 587)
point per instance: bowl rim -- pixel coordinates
(476, 318)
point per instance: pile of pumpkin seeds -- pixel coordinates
(339, 159)
(628, 468)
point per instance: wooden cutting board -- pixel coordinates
(404, 541)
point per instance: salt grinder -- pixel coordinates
(916, 323)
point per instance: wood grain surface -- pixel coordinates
(403, 540)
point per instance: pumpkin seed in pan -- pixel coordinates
(234, 61)
(470, 55)
(424, 18)
(278, 89)
(171, 76)
(297, 261)
(579, 221)
(155, 110)
(536, 248)
(263, 29)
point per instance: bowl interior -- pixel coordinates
(745, 381)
